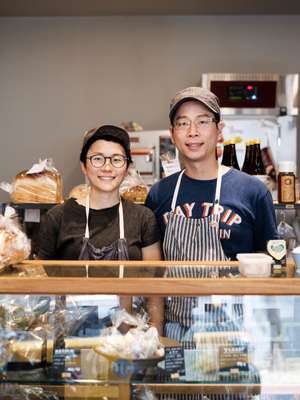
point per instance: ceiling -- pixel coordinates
(39, 8)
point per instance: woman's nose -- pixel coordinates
(107, 165)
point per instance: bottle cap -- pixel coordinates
(286, 166)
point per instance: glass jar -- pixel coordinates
(286, 182)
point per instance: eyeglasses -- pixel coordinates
(184, 124)
(116, 160)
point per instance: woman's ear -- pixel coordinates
(83, 168)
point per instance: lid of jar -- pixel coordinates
(287, 166)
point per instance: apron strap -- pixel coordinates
(87, 212)
(175, 194)
(218, 191)
(217, 194)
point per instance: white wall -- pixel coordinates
(61, 76)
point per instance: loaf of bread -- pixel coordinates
(41, 187)
(136, 194)
(79, 192)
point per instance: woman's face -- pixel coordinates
(106, 178)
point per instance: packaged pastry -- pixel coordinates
(14, 244)
(133, 188)
(40, 184)
(139, 342)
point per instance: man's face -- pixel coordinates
(195, 133)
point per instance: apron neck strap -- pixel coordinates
(217, 194)
(174, 199)
(218, 190)
(87, 212)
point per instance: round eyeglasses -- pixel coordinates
(116, 160)
(184, 124)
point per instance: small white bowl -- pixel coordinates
(254, 264)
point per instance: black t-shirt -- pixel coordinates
(63, 227)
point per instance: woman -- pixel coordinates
(102, 226)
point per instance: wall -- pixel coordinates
(61, 76)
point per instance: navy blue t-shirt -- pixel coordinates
(247, 218)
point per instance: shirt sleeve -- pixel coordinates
(48, 234)
(150, 230)
(265, 222)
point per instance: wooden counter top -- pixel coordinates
(39, 283)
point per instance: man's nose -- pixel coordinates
(192, 131)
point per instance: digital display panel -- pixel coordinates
(243, 92)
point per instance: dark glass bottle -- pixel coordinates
(257, 166)
(246, 164)
(229, 156)
(225, 153)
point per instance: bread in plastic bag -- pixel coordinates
(133, 187)
(139, 342)
(40, 184)
(14, 244)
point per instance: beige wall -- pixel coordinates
(61, 76)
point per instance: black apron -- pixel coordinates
(117, 250)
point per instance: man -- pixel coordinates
(206, 211)
(238, 203)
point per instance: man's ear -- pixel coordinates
(220, 128)
(171, 134)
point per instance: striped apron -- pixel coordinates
(188, 239)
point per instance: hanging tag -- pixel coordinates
(32, 215)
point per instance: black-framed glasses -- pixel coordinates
(184, 124)
(116, 160)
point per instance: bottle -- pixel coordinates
(229, 156)
(257, 166)
(286, 182)
(246, 164)
(225, 157)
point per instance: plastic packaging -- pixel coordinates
(133, 187)
(254, 264)
(139, 342)
(14, 244)
(40, 184)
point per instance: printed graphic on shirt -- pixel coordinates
(228, 217)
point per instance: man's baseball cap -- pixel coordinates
(209, 99)
(106, 132)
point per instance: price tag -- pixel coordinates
(234, 356)
(170, 166)
(174, 360)
(32, 215)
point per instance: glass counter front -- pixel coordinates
(245, 333)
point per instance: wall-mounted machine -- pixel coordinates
(259, 105)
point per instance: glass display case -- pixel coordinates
(245, 332)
